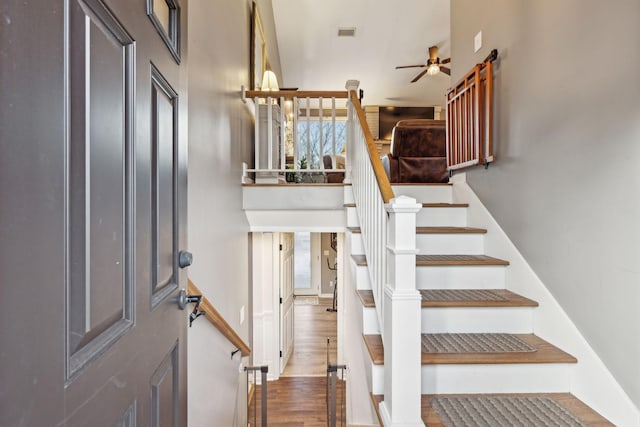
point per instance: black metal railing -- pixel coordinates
(263, 395)
(333, 370)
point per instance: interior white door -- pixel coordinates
(286, 297)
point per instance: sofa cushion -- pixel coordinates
(422, 169)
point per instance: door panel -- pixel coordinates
(164, 113)
(94, 146)
(286, 295)
(164, 391)
(99, 284)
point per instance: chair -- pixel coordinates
(334, 162)
(418, 152)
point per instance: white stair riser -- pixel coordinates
(352, 218)
(370, 325)
(511, 320)
(348, 194)
(442, 217)
(499, 378)
(511, 378)
(425, 193)
(460, 277)
(357, 247)
(361, 275)
(434, 244)
(377, 379)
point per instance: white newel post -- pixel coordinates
(351, 120)
(402, 323)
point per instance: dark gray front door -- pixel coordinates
(92, 212)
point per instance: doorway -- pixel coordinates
(288, 324)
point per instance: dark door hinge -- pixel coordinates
(280, 300)
(280, 353)
(280, 247)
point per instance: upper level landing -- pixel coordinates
(296, 207)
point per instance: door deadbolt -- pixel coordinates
(185, 259)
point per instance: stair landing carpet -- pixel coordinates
(503, 411)
(474, 343)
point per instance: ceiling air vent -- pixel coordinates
(347, 32)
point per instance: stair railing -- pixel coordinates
(470, 118)
(332, 391)
(371, 191)
(252, 383)
(333, 372)
(388, 230)
(219, 322)
(309, 123)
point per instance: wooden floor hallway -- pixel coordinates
(298, 398)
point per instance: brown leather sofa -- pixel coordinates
(418, 152)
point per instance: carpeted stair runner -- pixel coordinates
(460, 294)
(474, 343)
(503, 412)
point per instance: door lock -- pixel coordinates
(185, 259)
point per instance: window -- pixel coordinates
(311, 151)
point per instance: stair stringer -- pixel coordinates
(591, 381)
(355, 356)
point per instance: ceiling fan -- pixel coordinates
(433, 65)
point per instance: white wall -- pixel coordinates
(566, 183)
(220, 135)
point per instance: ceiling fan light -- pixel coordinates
(433, 69)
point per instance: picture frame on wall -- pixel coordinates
(258, 60)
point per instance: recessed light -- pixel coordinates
(347, 32)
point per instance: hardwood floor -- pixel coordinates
(313, 324)
(296, 402)
(298, 398)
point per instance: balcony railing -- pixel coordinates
(294, 132)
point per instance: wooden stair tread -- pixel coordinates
(445, 260)
(546, 353)
(511, 299)
(366, 297)
(426, 205)
(375, 348)
(420, 184)
(360, 260)
(450, 230)
(581, 410)
(436, 230)
(445, 205)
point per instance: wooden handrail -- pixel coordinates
(218, 321)
(297, 94)
(381, 176)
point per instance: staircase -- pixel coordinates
(481, 362)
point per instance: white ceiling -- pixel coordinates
(388, 33)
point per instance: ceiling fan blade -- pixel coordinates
(445, 70)
(419, 76)
(445, 61)
(409, 66)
